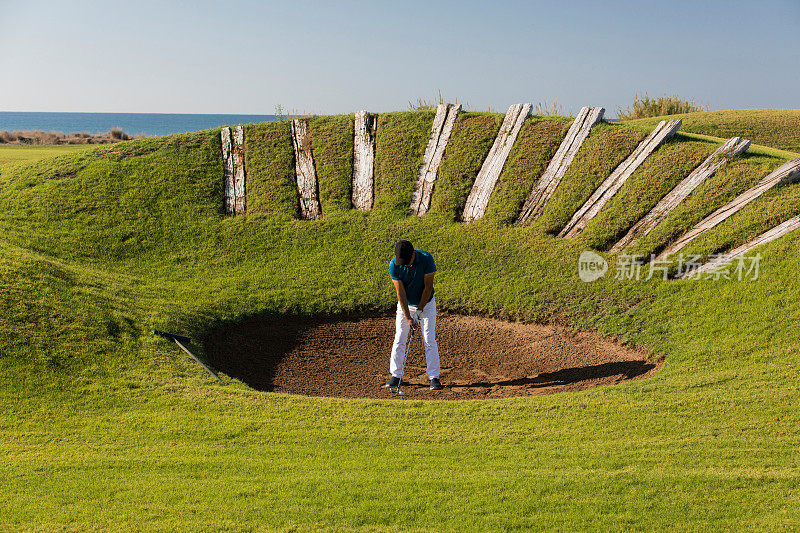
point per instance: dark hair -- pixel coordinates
(403, 251)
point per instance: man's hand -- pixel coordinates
(411, 323)
(417, 316)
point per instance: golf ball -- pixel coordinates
(399, 393)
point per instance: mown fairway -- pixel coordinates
(107, 427)
(777, 128)
(18, 153)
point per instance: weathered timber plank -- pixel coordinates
(768, 236)
(307, 186)
(552, 176)
(733, 147)
(490, 171)
(440, 134)
(239, 174)
(363, 161)
(789, 172)
(614, 182)
(227, 171)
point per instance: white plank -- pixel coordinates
(489, 173)
(733, 147)
(440, 134)
(363, 160)
(227, 171)
(239, 174)
(552, 176)
(307, 186)
(768, 236)
(789, 172)
(614, 182)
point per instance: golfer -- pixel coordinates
(412, 274)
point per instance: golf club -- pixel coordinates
(405, 357)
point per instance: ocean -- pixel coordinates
(131, 123)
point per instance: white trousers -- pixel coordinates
(427, 324)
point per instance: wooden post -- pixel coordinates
(490, 171)
(547, 184)
(440, 134)
(733, 147)
(768, 236)
(305, 171)
(239, 175)
(227, 171)
(233, 171)
(789, 172)
(618, 177)
(363, 160)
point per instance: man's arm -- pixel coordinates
(426, 292)
(403, 299)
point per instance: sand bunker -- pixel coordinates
(480, 357)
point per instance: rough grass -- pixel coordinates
(271, 180)
(469, 144)
(657, 175)
(603, 150)
(332, 146)
(644, 106)
(726, 184)
(107, 427)
(774, 207)
(778, 128)
(535, 146)
(400, 142)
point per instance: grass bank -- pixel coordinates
(108, 427)
(777, 128)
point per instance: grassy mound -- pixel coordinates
(124, 431)
(778, 128)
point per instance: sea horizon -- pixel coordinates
(131, 123)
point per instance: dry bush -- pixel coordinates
(118, 134)
(38, 137)
(423, 104)
(644, 106)
(551, 110)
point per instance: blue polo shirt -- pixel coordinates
(413, 276)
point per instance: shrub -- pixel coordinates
(118, 134)
(423, 104)
(38, 137)
(644, 106)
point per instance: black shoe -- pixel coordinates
(393, 383)
(436, 384)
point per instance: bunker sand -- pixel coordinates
(480, 357)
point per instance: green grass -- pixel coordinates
(470, 141)
(400, 143)
(108, 427)
(657, 175)
(777, 128)
(726, 184)
(271, 180)
(603, 150)
(774, 207)
(332, 146)
(14, 153)
(536, 145)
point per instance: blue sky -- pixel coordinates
(336, 57)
